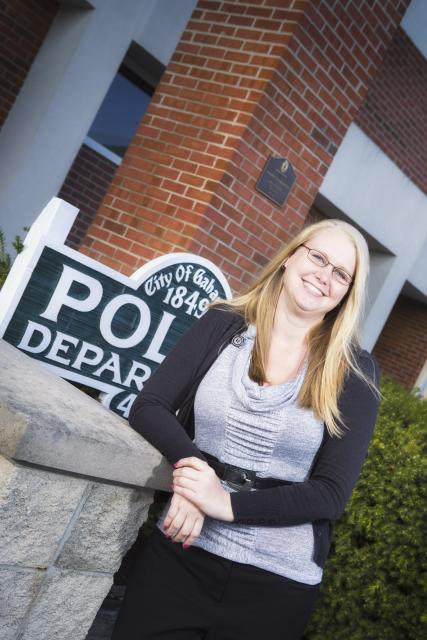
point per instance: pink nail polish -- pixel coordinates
(185, 546)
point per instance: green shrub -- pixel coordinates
(5, 259)
(374, 583)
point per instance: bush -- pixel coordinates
(374, 583)
(5, 259)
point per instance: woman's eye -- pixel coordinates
(341, 275)
(318, 257)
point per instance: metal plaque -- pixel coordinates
(276, 180)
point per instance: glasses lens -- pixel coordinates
(342, 276)
(317, 258)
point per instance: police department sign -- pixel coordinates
(91, 324)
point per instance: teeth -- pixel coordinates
(313, 288)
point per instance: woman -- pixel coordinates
(282, 402)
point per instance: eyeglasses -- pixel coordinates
(321, 260)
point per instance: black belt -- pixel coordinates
(239, 478)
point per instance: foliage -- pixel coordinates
(5, 259)
(374, 583)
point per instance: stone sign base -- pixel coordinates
(76, 483)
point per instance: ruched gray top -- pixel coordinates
(261, 428)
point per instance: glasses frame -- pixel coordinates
(327, 264)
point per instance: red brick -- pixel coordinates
(406, 326)
(231, 97)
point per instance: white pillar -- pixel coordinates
(364, 187)
(59, 100)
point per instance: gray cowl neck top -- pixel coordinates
(261, 428)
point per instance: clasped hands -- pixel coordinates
(197, 492)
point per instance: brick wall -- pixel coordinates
(84, 187)
(247, 80)
(23, 27)
(394, 113)
(401, 348)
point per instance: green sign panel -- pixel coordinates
(93, 325)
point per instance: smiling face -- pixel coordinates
(312, 288)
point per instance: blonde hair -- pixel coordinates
(333, 344)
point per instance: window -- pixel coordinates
(125, 103)
(119, 115)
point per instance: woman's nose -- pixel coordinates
(324, 273)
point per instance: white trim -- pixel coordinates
(414, 23)
(103, 151)
(54, 222)
(365, 187)
(421, 381)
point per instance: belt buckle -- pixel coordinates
(247, 484)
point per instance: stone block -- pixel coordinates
(66, 605)
(36, 507)
(106, 527)
(17, 590)
(47, 422)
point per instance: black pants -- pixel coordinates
(188, 594)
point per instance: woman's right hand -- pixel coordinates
(183, 521)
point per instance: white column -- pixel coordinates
(59, 100)
(364, 187)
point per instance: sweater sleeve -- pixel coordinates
(153, 413)
(336, 470)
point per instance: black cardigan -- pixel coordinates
(320, 499)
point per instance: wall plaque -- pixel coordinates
(276, 180)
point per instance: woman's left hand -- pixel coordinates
(196, 480)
